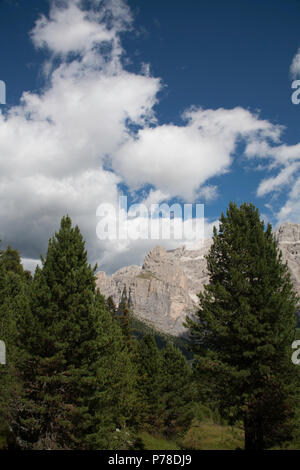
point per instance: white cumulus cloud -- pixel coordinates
(295, 65)
(178, 160)
(68, 147)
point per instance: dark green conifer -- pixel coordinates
(111, 306)
(245, 327)
(124, 318)
(76, 369)
(177, 390)
(13, 305)
(11, 260)
(149, 381)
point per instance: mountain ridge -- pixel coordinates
(164, 289)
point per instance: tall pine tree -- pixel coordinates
(177, 390)
(149, 365)
(124, 318)
(76, 370)
(245, 327)
(13, 305)
(111, 306)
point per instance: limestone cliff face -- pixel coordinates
(164, 290)
(288, 237)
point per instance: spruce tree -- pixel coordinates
(124, 318)
(177, 390)
(111, 307)
(245, 326)
(13, 305)
(75, 363)
(116, 384)
(11, 260)
(149, 382)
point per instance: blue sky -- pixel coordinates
(106, 87)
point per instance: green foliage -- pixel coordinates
(141, 328)
(13, 305)
(116, 382)
(76, 369)
(245, 326)
(123, 317)
(177, 390)
(149, 369)
(11, 260)
(82, 374)
(111, 307)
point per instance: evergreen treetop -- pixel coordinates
(78, 386)
(246, 323)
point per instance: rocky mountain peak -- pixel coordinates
(155, 256)
(164, 290)
(288, 233)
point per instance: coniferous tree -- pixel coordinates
(149, 366)
(11, 260)
(116, 382)
(75, 361)
(111, 306)
(7, 335)
(177, 390)
(245, 327)
(13, 305)
(124, 318)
